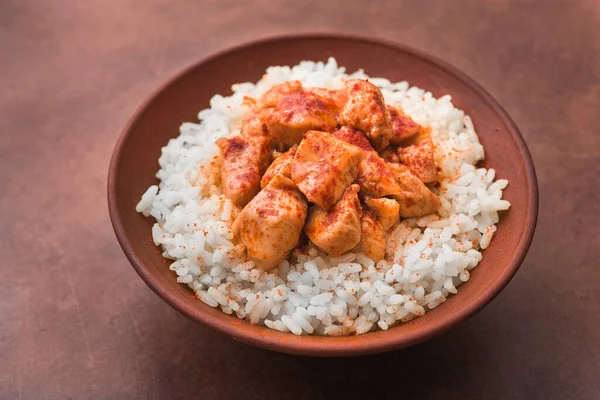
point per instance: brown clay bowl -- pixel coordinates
(134, 164)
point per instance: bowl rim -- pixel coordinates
(322, 345)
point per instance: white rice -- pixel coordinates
(428, 257)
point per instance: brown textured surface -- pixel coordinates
(77, 322)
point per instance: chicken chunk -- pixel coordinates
(416, 200)
(272, 96)
(386, 210)
(419, 159)
(324, 166)
(388, 223)
(390, 155)
(338, 96)
(281, 165)
(403, 127)
(254, 124)
(298, 113)
(338, 230)
(244, 161)
(372, 242)
(382, 207)
(365, 110)
(271, 224)
(374, 176)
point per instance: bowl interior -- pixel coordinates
(134, 166)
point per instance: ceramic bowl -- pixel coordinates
(134, 165)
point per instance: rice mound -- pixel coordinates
(312, 293)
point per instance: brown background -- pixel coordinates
(77, 322)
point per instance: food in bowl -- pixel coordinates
(320, 202)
